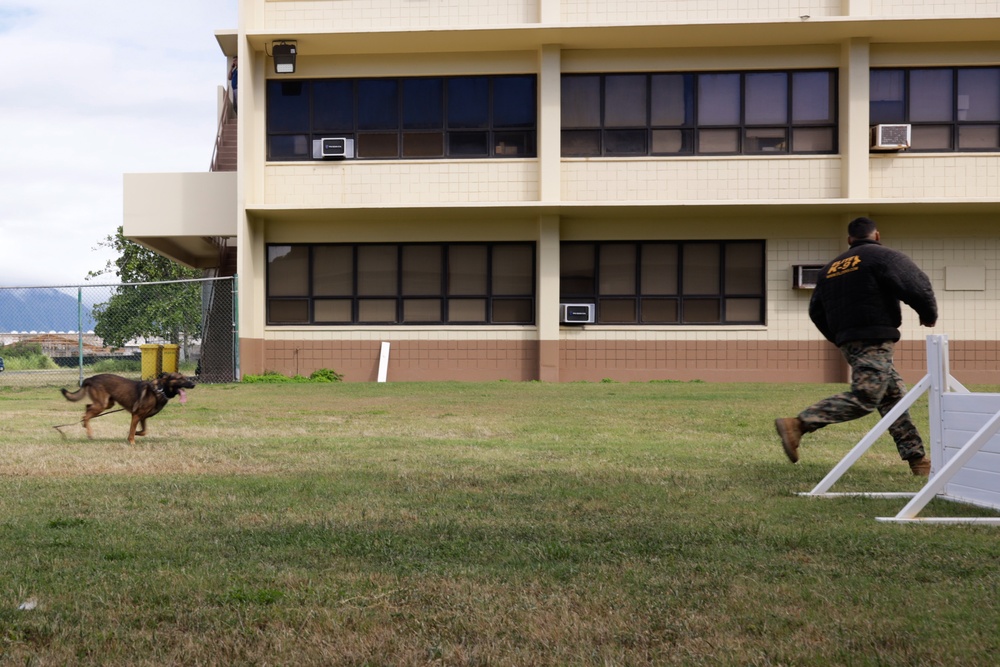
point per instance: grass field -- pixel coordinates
(474, 524)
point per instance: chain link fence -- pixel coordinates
(56, 336)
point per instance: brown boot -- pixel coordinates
(920, 467)
(790, 430)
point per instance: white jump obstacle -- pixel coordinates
(964, 445)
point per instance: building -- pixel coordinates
(444, 175)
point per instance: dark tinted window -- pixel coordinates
(948, 108)
(333, 106)
(378, 104)
(706, 113)
(287, 106)
(392, 118)
(404, 283)
(514, 101)
(468, 102)
(663, 282)
(422, 104)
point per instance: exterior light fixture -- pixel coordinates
(284, 57)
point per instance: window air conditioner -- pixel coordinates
(890, 137)
(341, 147)
(804, 276)
(576, 313)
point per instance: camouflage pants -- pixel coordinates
(875, 385)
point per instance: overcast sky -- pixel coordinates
(91, 91)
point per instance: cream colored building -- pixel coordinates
(667, 163)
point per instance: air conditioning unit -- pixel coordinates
(804, 276)
(576, 313)
(339, 147)
(890, 137)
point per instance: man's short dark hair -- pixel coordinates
(861, 228)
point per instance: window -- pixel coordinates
(666, 282)
(949, 108)
(405, 283)
(405, 118)
(711, 113)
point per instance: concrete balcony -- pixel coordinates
(181, 216)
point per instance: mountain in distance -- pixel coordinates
(42, 309)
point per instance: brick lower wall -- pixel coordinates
(711, 361)
(409, 360)
(972, 362)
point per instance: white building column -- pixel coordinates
(854, 117)
(250, 260)
(550, 192)
(856, 7)
(547, 298)
(549, 11)
(549, 123)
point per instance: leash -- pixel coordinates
(62, 426)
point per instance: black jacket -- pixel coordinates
(857, 295)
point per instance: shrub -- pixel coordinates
(20, 349)
(267, 377)
(32, 362)
(326, 375)
(272, 377)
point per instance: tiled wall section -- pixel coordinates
(359, 15)
(928, 177)
(972, 362)
(964, 314)
(709, 360)
(787, 308)
(384, 183)
(319, 334)
(316, 184)
(935, 7)
(409, 360)
(702, 179)
(653, 11)
(788, 349)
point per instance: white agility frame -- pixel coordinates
(955, 412)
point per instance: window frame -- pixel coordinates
(493, 139)
(401, 295)
(692, 132)
(954, 126)
(724, 296)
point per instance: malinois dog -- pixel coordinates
(142, 398)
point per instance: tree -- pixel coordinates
(167, 310)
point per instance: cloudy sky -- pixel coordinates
(91, 91)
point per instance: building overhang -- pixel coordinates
(417, 215)
(181, 216)
(805, 30)
(228, 41)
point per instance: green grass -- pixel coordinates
(474, 524)
(130, 365)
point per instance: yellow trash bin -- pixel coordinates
(170, 358)
(152, 360)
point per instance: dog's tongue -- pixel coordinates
(184, 396)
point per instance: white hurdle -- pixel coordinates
(964, 445)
